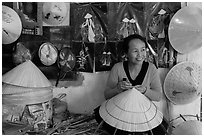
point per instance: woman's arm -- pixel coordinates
(154, 91)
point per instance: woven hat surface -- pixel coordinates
(26, 75)
(131, 111)
(183, 83)
(185, 29)
(11, 25)
(191, 127)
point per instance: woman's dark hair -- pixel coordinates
(131, 37)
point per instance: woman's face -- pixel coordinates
(136, 52)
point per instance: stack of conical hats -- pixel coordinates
(131, 111)
(25, 84)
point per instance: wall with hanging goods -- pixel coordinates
(92, 31)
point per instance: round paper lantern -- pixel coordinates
(48, 54)
(11, 25)
(131, 111)
(54, 13)
(191, 127)
(66, 60)
(185, 29)
(183, 84)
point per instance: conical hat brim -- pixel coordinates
(131, 111)
(12, 89)
(26, 75)
(191, 127)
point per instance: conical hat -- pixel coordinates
(185, 29)
(191, 127)
(183, 83)
(26, 75)
(8, 89)
(11, 25)
(131, 111)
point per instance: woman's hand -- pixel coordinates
(141, 88)
(124, 85)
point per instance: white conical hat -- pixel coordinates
(8, 89)
(191, 127)
(183, 83)
(26, 75)
(11, 25)
(131, 111)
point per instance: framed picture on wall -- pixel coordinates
(31, 16)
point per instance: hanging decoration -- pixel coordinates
(21, 53)
(105, 55)
(89, 23)
(84, 53)
(11, 25)
(48, 54)
(54, 13)
(183, 83)
(66, 63)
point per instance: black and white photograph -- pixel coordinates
(101, 68)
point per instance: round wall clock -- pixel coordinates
(48, 54)
(183, 83)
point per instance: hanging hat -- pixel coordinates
(191, 127)
(185, 29)
(131, 111)
(54, 13)
(47, 54)
(11, 25)
(183, 83)
(26, 75)
(66, 59)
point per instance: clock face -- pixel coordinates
(48, 54)
(183, 84)
(11, 25)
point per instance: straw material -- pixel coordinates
(191, 127)
(8, 89)
(183, 83)
(11, 25)
(26, 75)
(131, 111)
(27, 98)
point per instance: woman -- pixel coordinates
(134, 72)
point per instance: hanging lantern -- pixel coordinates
(131, 111)
(185, 29)
(11, 25)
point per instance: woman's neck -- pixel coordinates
(133, 66)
